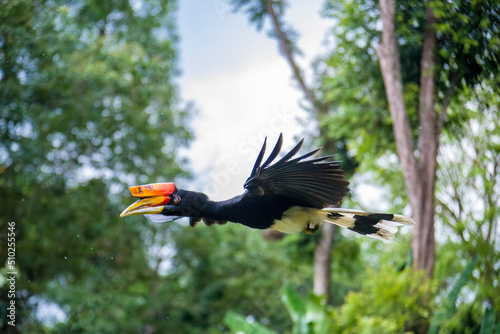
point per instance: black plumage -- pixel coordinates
(315, 183)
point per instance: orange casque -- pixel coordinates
(153, 189)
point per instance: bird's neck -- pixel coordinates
(229, 210)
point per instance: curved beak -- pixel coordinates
(152, 198)
(151, 205)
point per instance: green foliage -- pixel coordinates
(232, 268)
(468, 39)
(309, 315)
(87, 107)
(350, 83)
(466, 195)
(389, 302)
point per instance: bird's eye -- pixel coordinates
(177, 199)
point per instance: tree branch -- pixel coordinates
(461, 233)
(446, 103)
(286, 50)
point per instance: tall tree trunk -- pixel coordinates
(423, 242)
(323, 261)
(323, 256)
(420, 175)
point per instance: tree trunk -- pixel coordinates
(323, 261)
(423, 241)
(419, 175)
(323, 257)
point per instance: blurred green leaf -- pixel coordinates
(449, 305)
(238, 324)
(488, 325)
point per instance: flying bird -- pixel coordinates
(291, 195)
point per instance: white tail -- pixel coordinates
(380, 226)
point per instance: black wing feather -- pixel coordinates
(256, 167)
(307, 155)
(274, 153)
(316, 182)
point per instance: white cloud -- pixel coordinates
(242, 88)
(238, 109)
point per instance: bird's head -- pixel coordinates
(164, 199)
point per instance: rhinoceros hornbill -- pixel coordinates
(292, 195)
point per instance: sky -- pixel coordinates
(242, 88)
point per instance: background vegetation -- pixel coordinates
(88, 106)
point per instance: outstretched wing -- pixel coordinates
(317, 182)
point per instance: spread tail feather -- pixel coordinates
(381, 226)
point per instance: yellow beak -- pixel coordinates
(150, 205)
